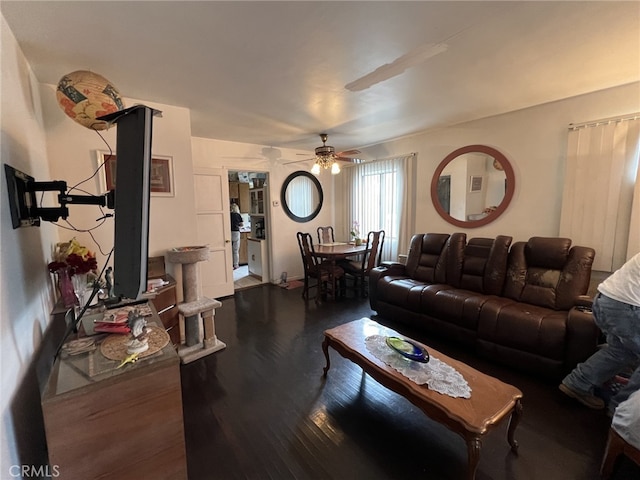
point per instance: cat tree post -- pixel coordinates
(197, 315)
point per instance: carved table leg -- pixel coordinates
(325, 349)
(513, 423)
(473, 450)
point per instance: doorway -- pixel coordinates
(248, 190)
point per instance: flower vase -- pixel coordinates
(79, 281)
(358, 242)
(65, 286)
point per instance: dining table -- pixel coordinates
(338, 250)
(334, 251)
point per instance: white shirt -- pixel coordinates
(624, 284)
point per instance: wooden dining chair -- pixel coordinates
(324, 274)
(616, 447)
(325, 235)
(359, 269)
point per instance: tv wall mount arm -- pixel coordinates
(25, 212)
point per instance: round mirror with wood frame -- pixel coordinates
(301, 196)
(472, 186)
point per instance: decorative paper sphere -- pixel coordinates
(84, 96)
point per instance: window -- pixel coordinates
(378, 196)
(601, 196)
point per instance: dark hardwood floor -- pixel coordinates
(259, 409)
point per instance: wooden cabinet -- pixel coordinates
(239, 193)
(233, 190)
(166, 299)
(243, 197)
(107, 422)
(166, 303)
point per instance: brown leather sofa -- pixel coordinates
(523, 304)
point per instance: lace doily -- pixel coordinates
(436, 374)
(114, 347)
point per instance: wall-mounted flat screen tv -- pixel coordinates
(131, 211)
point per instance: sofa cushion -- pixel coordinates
(550, 253)
(425, 260)
(575, 277)
(523, 327)
(548, 273)
(454, 305)
(401, 291)
(407, 292)
(484, 264)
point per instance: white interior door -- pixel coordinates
(211, 187)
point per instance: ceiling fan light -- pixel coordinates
(325, 158)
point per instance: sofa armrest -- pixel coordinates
(393, 268)
(582, 336)
(385, 268)
(584, 302)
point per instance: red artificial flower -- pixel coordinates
(55, 266)
(73, 257)
(80, 265)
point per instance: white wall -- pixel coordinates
(71, 151)
(534, 140)
(284, 252)
(25, 288)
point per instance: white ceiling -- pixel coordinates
(275, 73)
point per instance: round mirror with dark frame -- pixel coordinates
(472, 186)
(301, 196)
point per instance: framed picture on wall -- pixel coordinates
(475, 183)
(161, 173)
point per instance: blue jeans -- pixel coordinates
(620, 322)
(235, 248)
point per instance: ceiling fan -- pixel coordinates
(345, 156)
(326, 157)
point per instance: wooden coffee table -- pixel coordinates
(491, 400)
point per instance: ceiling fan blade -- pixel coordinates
(349, 156)
(298, 161)
(348, 153)
(351, 159)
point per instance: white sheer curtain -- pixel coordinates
(601, 198)
(302, 196)
(380, 196)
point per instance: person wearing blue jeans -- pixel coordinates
(236, 223)
(616, 311)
